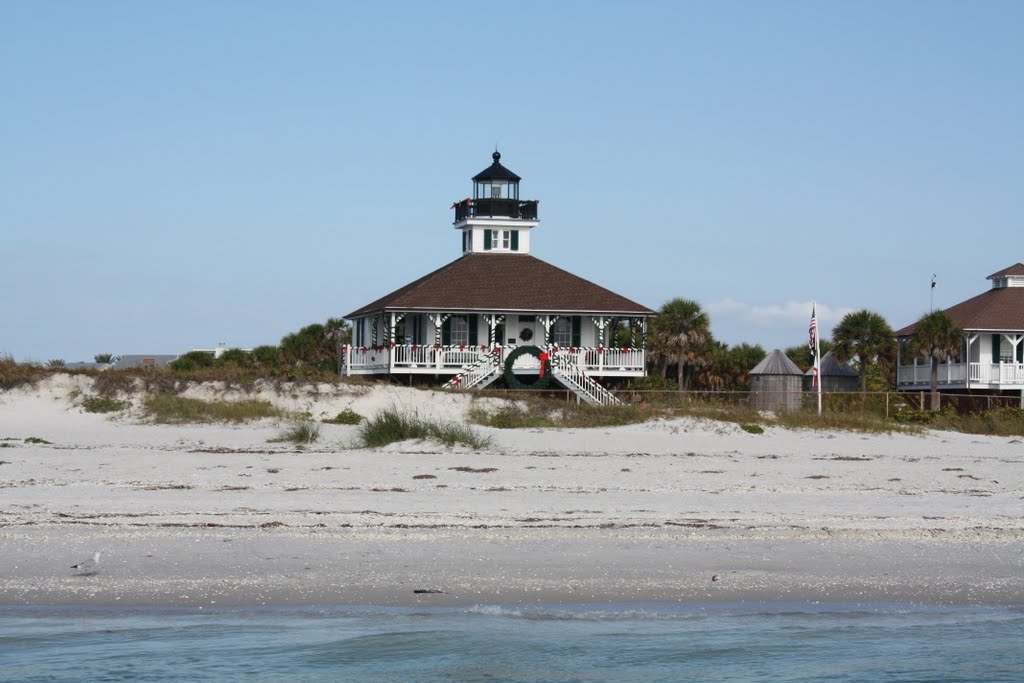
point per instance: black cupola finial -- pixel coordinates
(496, 156)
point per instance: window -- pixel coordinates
(460, 330)
(561, 332)
(499, 239)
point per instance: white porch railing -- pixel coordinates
(960, 373)
(997, 373)
(452, 358)
(600, 360)
(439, 357)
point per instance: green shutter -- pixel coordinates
(487, 240)
(515, 240)
(996, 339)
(446, 332)
(1020, 352)
(576, 330)
(472, 329)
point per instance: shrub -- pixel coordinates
(752, 429)
(233, 358)
(266, 357)
(165, 408)
(55, 363)
(103, 357)
(302, 432)
(345, 417)
(193, 360)
(103, 404)
(389, 426)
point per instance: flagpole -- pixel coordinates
(817, 360)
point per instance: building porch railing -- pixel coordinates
(453, 358)
(962, 373)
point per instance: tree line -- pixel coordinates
(679, 339)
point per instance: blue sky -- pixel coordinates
(176, 175)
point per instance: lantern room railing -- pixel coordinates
(495, 208)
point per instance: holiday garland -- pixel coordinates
(542, 381)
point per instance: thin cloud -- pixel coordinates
(775, 316)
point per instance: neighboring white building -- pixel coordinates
(462, 321)
(992, 358)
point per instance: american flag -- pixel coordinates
(812, 332)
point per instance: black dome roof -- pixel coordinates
(496, 171)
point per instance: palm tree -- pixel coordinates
(864, 334)
(937, 337)
(678, 333)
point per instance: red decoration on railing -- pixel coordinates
(572, 349)
(543, 361)
(600, 349)
(437, 347)
(393, 344)
(462, 347)
(414, 347)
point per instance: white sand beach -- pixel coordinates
(214, 514)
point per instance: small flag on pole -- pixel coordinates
(812, 344)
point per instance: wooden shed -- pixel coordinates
(776, 383)
(835, 376)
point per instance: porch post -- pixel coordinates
(643, 345)
(438, 320)
(899, 346)
(373, 328)
(391, 342)
(600, 322)
(493, 321)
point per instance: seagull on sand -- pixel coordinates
(88, 566)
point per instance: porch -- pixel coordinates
(1002, 375)
(438, 359)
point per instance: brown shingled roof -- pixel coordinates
(996, 309)
(1015, 269)
(503, 282)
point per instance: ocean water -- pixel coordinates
(647, 642)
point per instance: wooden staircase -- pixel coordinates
(479, 374)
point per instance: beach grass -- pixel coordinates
(300, 433)
(391, 425)
(165, 408)
(103, 404)
(535, 413)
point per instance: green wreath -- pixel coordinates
(513, 382)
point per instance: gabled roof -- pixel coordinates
(830, 367)
(503, 282)
(1015, 269)
(496, 171)
(996, 309)
(776, 363)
